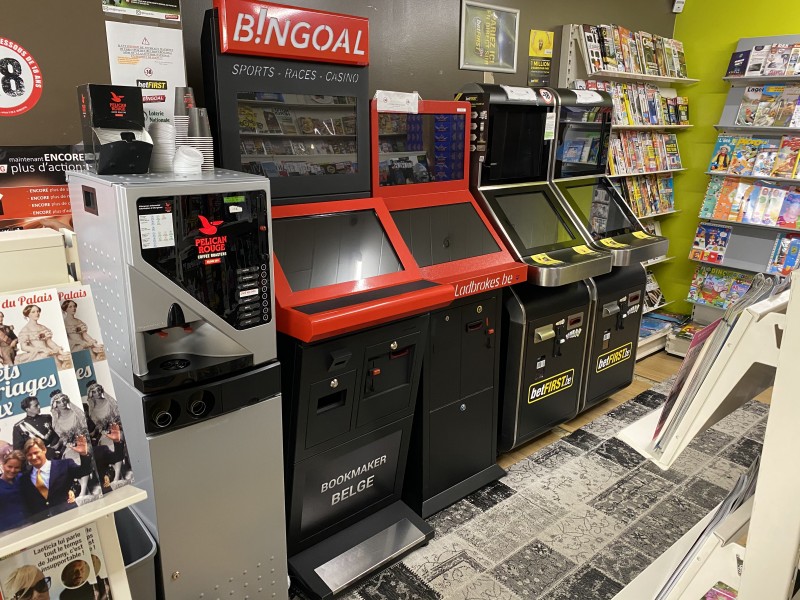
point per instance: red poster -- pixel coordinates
(265, 29)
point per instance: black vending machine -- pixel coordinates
(547, 319)
(578, 175)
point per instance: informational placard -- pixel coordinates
(169, 10)
(150, 58)
(21, 79)
(540, 57)
(488, 37)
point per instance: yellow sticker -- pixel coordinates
(609, 243)
(545, 259)
(583, 249)
(642, 235)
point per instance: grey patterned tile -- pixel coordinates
(757, 432)
(687, 464)
(582, 439)
(722, 472)
(754, 406)
(490, 495)
(554, 455)
(447, 564)
(675, 508)
(587, 584)
(737, 423)
(703, 493)
(453, 516)
(620, 561)
(503, 530)
(619, 452)
(532, 570)
(603, 427)
(629, 412)
(396, 583)
(665, 386)
(743, 452)
(651, 536)
(650, 399)
(578, 481)
(631, 496)
(483, 587)
(710, 441)
(521, 474)
(581, 533)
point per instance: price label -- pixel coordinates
(642, 235)
(583, 249)
(609, 243)
(20, 79)
(545, 259)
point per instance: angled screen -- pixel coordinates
(598, 209)
(533, 221)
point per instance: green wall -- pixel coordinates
(709, 30)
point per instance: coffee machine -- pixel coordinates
(181, 269)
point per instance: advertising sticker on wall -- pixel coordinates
(150, 58)
(20, 79)
(169, 10)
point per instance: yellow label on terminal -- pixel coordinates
(642, 235)
(609, 243)
(545, 259)
(583, 249)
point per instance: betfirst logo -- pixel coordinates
(117, 106)
(551, 385)
(264, 29)
(614, 357)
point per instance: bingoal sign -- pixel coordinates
(20, 79)
(266, 29)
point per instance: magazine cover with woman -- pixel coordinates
(97, 392)
(46, 458)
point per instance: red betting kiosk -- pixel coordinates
(420, 168)
(290, 100)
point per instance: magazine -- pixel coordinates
(765, 113)
(786, 159)
(758, 56)
(777, 60)
(790, 211)
(720, 591)
(744, 155)
(710, 242)
(653, 296)
(749, 105)
(784, 106)
(710, 199)
(721, 157)
(43, 418)
(97, 389)
(785, 254)
(765, 161)
(738, 64)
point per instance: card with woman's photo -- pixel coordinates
(46, 455)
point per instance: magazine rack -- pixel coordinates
(765, 340)
(100, 512)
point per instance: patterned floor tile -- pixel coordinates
(554, 455)
(619, 452)
(620, 561)
(629, 412)
(743, 452)
(662, 526)
(702, 492)
(757, 432)
(490, 495)
(710, 441)
(578, 481)
(754, 406)
(396, 583)
(581, 533)
(603, 427)
(687, 464)
(453, 516)
(532, 570)
(650, 399)
(587, 584)
(678, 509)
(521, 474)
(502, 531)
(582, 439)
(631, 496)
(447, 564)
(737, 423)
(484, 587)
(722, 472)
(664, 387)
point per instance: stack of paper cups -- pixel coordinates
(184, 100)
(163, 135)
(200, 136)
(188, 161)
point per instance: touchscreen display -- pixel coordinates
(534, 219)
(320, 250)
(440, 234)
(598, 209)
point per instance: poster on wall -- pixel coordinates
(150, 58)
(540, 57)
(33, 185)
(488, 37)
(169, 10)
(21, 79)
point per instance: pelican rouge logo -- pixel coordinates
(117, 106)
(210, 249)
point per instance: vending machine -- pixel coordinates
(420, 169)
(181, 269)
(578, 175)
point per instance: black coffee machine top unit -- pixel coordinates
(579, 177)
(510, 162)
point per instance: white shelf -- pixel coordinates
(740, 224)
(657, 260)
(762, 177)
(621, 76)
(753, 129)
(660, 214)
(724, 266)
(659, 307)
(745, 81)
(651, 127)
(43, 531)
(620, 176)
(652, 343)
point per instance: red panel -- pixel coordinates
(443, 107)
(266, 29)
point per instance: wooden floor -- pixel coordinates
(653, 369)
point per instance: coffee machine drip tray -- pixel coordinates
(173, 370)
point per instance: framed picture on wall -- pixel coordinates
(488, 37)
